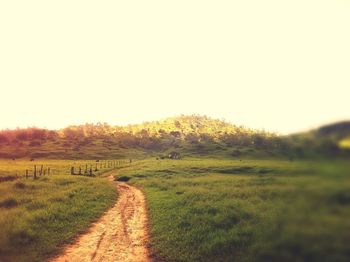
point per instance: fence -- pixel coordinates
(38, 170)
(91, 169)
(83, 169)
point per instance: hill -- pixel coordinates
(338, 130)
(188, 135)
(339, 133)
(328, 140)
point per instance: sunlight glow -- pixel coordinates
(279, 65)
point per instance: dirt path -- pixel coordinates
(119, 235)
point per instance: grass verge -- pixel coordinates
(39, 216)
(249, 210)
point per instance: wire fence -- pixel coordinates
(80, 168)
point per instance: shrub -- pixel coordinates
(342, 197)
(8, 203)
(20, 185)
(35, 143)
(123, 179)
(7, 178)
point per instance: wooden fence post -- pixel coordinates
(79, 170)
(26, 173)
(72, 170)
(41, 170)
(34, 174)
(90, 171)
(96, 167)
(48, 171)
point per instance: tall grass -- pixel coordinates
(250, 210)
(38, 216)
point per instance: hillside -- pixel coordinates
(329, 140)
(187, 125)
(337, 130)
(339, 133)
(188, 135)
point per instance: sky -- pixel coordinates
(282, 66)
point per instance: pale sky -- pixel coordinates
(279, 65)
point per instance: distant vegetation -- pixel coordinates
(329, 141)
(192, 135)
(227, 191)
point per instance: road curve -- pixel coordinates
(119, 235)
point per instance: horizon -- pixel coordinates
(277, 66)
(176, 116)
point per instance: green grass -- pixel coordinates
(38, 216)
(249, 210)
(59, 148)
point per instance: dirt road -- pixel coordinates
(119, 235)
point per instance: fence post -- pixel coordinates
(72, 170)
(90, 171)
(41, 170)
(48, 171)
(26, 173)
(34, 174)
(96, 167)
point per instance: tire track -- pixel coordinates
(119, 235)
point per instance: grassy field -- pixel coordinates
(38, 216)
(249, 210)
(200, 209)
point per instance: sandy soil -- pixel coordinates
(119, 235)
